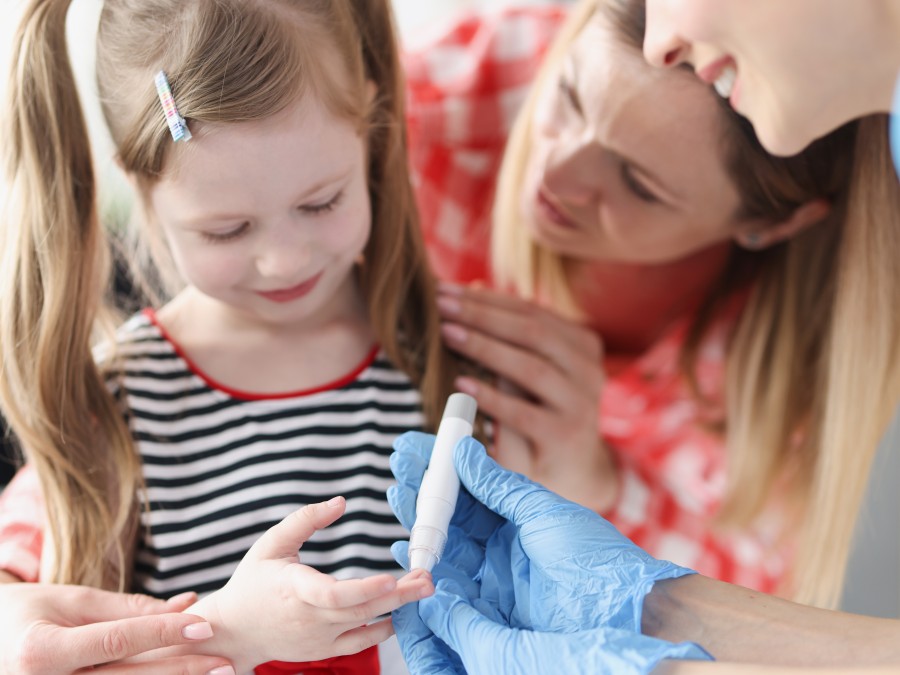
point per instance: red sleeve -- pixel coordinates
(464, 92)
(22, 525)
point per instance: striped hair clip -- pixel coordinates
(177, 124)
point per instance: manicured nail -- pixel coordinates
(452, 289)
(222, 670)
(454, 332)
(197, 631)
(334, 502)
(449, 305)
(467, 385)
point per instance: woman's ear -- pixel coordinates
(757, 236)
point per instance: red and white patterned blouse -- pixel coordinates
(464, 93)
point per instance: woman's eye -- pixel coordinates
(220, 237)
(569, 94)
(636, 187)
(325, 207)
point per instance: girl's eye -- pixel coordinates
(570, 95)
(221, 237)
(315, 209)
(636, 187)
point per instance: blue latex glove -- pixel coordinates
(490, 647)
(556, 567)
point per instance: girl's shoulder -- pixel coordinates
(138, 333)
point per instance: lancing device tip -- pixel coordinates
(440, 485)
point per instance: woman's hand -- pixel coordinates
(276, 609)
(54, 629)
(546, 400)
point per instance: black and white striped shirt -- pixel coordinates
(221, 467)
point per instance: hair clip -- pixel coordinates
(177, 124)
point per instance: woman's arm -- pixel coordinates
(718, 668)
(737, 624)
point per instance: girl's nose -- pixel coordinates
(282, 257)
(662, 45)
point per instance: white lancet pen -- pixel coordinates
(440, 485)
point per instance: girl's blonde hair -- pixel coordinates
(811, 380)
(228, 61)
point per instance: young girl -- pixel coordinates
(265, 143)
(639, 205)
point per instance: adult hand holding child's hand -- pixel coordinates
(49, 628)
(276, 608)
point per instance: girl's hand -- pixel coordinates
(58, 629)
(276, 609)
(546, 400)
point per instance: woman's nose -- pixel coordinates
(662, 45)
(572, 173)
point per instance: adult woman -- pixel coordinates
(704, 264)
(785, 76)
(732, 623)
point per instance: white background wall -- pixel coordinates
(873, 584)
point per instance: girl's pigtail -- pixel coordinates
(53, 274)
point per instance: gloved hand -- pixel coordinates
(556, 567)
(487, 646)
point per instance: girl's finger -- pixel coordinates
(357, 639)
(415, 587)
(284, 539)
(325, 592)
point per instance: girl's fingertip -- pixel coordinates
(334, 502)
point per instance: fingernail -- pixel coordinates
(197, 631)
(449, 305)
(333, 502)
(222, 670)
(452, 289)
(466, 385)
(454, 332)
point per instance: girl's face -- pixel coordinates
(269, 217)
(625, 162)
(784, 64)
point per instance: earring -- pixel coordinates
(752, 240)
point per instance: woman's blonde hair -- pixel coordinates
(228, 61)
(821, 318)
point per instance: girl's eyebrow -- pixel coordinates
(325, 182)
(214, 217)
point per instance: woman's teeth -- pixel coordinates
(725, 82)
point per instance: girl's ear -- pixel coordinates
(757, 236)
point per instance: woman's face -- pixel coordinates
(625, 164)
(781, 63)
